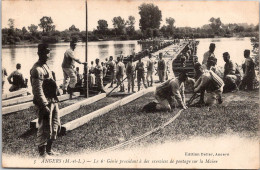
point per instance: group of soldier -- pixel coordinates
(45, 89)
(118, 70)
(206, 79)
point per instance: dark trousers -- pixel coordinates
(247, 82)
(140, 77)
(49, 124)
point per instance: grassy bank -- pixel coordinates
(238, 115)
(16, 136)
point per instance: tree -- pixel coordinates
(11, 23)
(151, 16)
(130, 25)
(46, 24)
(119, 24)
(164, 30)
(215, 24)
(33, 28)
(24, 30)
(256, 27)
(149, 32)
(73, 28)
(239, 29)
(102, 26)
(170, 21)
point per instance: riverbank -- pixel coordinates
(238, 115)
(124, 38)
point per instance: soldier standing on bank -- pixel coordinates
(68, 65)
(161, 68)
(120, 71)
(99, 76)
(130, 73)
(140, 73)
(150, 68)
(44, 89)
(111, 69)
(249, 72)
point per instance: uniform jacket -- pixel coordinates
(130, 68)
(229, 68)
(206, 82)
(172, 88)
(39, 72)
(249, 68)
(98, 71)
(140, 68)
(17, 77)
(68, 60)
(150, 65)
(206, 56)
(161, 65)
(120, 69)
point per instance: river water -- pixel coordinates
(27, 54)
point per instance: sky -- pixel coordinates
(68, 12)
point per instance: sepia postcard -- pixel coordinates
(130, 84)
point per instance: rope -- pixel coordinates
(142, 136)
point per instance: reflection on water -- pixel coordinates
(12, 53)
(27, 54)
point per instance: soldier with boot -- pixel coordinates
(99, 76)
(150, 68)
(140, 73)
(120, 71)
(249, 72)
(130, 73)
(68, 65)
(111, 70)
(44, 89)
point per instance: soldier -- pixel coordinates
(79, 78)
(111, 68)
(77, 74)
(44, 89)
(197, 70)
(16, 79)
(249, 73)
(92, 67)
(170, 90)
(211, 83)
(211, 63)
(231, 76)
(104, 69)
(68, 65)
(99, 76)
(4, 74)
(209, 53)
(150, 68)
(140, 73)
(130, 73)
(121, 56)
(120, 71)
(161, 68)
(106, 60)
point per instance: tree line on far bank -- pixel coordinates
(149, 23)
